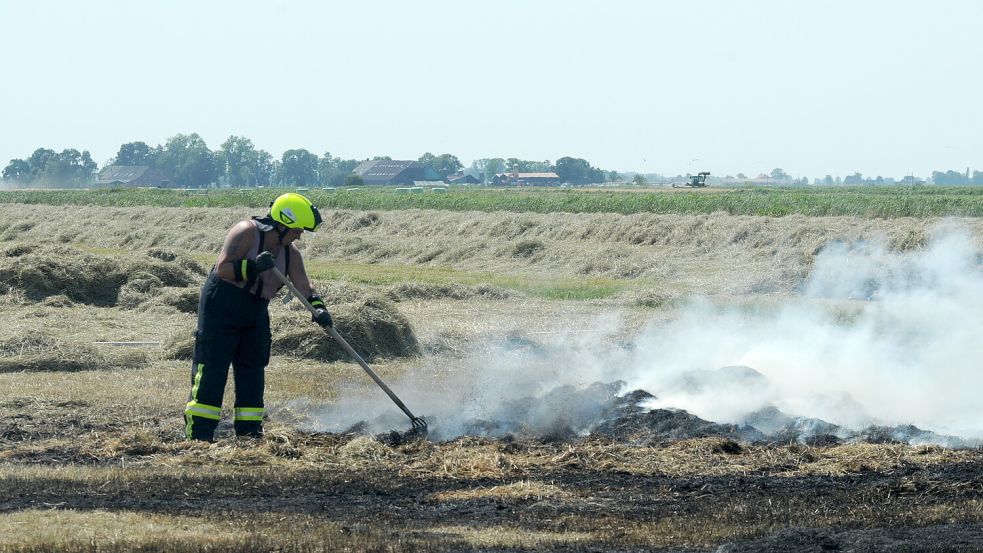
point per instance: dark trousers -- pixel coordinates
(233, 329)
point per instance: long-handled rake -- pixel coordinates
(419, 425)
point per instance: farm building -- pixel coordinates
(388, 172)
(131, 175)
(463, 179)
(526, 179)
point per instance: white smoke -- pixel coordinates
(876, 337)
(483, 386)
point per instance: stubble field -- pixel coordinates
(512, 332)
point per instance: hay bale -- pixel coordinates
(373, 327)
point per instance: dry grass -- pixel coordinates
(512, 538)
(690, 253)
(59, 529)
(95, 460)
(523, 490)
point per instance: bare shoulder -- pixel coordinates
(238, 240)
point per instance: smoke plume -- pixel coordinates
(875, 337)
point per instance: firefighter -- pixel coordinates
(233, 319)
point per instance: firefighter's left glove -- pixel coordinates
(323, 318)
(264, 262)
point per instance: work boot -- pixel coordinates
(199, 428)
(250, 429)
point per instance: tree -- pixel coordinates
(47, 167)
(949, 177)
(298, 167)
(639, 179)
(264, 168)
(446, 165)
(69, 168)
(239, 161)
(332, 170)
(39, 159)
(354, 180)
(613, 176)
(137, 153)
(489, 167)
(575, 171)
(19, 171)
(524, 166)
(854, 179)
(443, 165)
(778, 174)
(187, 159)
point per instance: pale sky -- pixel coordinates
(814, 87)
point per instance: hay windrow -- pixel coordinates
(63, 271)
(182, 260)
(26, 349)
(373, 327)
(70, 275)
(429, 291)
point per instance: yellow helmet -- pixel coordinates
(295, 211)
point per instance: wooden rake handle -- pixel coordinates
(418, 423)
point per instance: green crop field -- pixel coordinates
(883, 202)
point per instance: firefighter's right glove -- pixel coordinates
(323, 318)
(264, 262)
(248, 269)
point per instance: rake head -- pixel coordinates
(394, 438)
(419, 426)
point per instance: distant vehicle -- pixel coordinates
(698, 180)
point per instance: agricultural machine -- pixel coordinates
(698, 180)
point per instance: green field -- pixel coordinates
(886, 202)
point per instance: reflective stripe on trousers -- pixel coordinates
(249, 413)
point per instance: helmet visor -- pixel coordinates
(317, 220)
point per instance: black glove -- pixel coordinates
(323, 318)
(264, 262)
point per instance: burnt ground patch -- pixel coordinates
(710, 490)
(763, 510)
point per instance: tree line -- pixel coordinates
(48, 168)
(188, 162)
